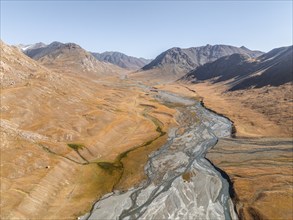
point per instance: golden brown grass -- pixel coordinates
(57, 129)
(261, 175)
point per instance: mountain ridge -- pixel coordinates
(70, 57)
(273, 68)
(121, 59)
(186, 59)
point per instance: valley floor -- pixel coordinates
(259, 160)
(65, 144)
(264, 112)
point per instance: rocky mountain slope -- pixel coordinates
(273, 68)
(184, 60)
(71, 58)
(18, 69)
(122, 60)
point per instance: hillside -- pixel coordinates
(18, 69)
(122, 60)
(58, 130)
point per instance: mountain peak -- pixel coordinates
(55, 44)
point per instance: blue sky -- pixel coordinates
(146, 28)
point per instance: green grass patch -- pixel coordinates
(76, 147)
(110, 167)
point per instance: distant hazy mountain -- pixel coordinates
(273, 68)
(188, 59)
(25, 47)
(122, 60)
(69, 57)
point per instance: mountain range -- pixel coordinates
(122, 60)
(179, 60)
(273, 68)
(243, 67)
(38, 50)
(70, 57)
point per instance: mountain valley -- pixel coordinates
(203, 132)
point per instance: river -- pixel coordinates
(181, 183)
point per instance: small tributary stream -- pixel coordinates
(181, 183)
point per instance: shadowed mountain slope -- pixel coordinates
(184, 60)
(122, 60)
(273, 68)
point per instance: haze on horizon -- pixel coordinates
(146, 28)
